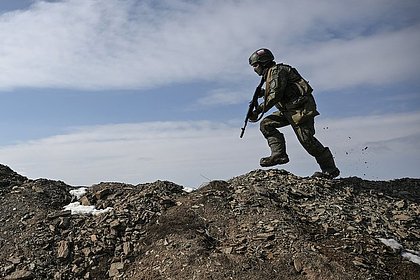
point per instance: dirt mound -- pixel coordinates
(267, 224)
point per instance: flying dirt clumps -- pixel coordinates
(267, 224)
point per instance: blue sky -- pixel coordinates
(136, 91)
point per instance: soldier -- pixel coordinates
(292, 96)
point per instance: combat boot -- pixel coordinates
(327, 164)
(278, 152)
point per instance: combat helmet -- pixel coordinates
(262, 56)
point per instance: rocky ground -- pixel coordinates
(267, 224)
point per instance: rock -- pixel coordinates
(15, 260)
(93, 238)
(64, 222)
(102, 193)
(7, 269)
(87, 252)
(127, 248)
(63, 249)
(20, 275)
(84, 201)
(65, 213)
(400, 204)
(297, 264)
(265, 236)
(359, 262)
(402, 217)
(115, 224)
(115, 269)
(227, 250)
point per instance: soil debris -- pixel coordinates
(266, 224)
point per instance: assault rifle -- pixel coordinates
(253, 104)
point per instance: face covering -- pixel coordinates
(259, 69)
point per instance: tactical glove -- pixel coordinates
(254, 115)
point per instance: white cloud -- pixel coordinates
(223, 96)
(382, 59)
(189, 152)
(92, 44)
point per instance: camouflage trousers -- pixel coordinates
(305, 132)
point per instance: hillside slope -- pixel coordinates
(267, 224)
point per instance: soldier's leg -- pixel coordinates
(275, 139)
(306, 135)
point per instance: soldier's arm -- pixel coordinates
(277, 87)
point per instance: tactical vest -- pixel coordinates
(296, 100)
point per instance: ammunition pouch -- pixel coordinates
(304, 87)
(301, 116)
(304, 107)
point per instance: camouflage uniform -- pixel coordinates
(292, 96)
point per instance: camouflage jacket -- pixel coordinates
(289, 92)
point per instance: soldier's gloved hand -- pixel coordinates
(253, 116)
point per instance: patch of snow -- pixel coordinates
(391, 243)
(78, 193)
(77, 208)
(411, 257)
